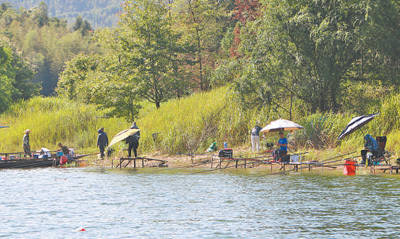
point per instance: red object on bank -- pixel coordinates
(349, 168)
(63, 160)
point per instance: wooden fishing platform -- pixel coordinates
(221, 163)
(139, 162)
(391, 169)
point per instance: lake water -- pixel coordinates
(166, 203)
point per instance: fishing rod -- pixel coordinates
(216, 169)
(338, 156)
(263, 162)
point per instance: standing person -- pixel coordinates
(133, 141)
(25, 143)
(102, 141)
(255, 138)
(282, 143)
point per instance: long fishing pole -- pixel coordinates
(322, 165)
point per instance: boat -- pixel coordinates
(15, 160)
(27, 163)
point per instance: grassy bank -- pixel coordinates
(53, 120)
(187, 125)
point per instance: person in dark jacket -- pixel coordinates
(102, 141)
(133, 141)
(25, 143)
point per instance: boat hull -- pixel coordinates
(27, 163)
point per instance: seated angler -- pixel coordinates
(371, 146)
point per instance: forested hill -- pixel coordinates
(100, 13)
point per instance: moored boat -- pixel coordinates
(27, 163)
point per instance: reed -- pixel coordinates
(187, 125)
(52, 120)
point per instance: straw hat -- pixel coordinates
(27, 131)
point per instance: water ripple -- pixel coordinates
(53, 203)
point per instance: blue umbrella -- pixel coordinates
(356, 123)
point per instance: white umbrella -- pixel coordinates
(123, 135)
(281, 125)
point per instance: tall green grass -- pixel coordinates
(53, 120)
(188, 125)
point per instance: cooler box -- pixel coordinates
(225, 153)
(294, 158)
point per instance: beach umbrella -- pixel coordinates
(123, 135)
(281, 125)
(356, 123)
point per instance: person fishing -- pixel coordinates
(255, 138)
(282, 143)
(370, 145)
(65, 151)
(102, 141)
(25, 143)
(133, 141)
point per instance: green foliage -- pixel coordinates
(53, 120)
(45, 43)
(320, 130)
(82, 25)
(310, 50)
(187, 125)
(183, 125)
(202, 24)
(148, 49)
(15, 78)
(100, 13)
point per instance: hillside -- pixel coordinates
(100, 13)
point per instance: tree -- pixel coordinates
(202, 24)
(304, 49)
(148, 49)
(15, 78)
(6, 81)
(82, 25)
(41, 14)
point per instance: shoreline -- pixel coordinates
(203, 164)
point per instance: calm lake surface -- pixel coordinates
(166, 203)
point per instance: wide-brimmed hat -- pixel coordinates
(27, 131)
